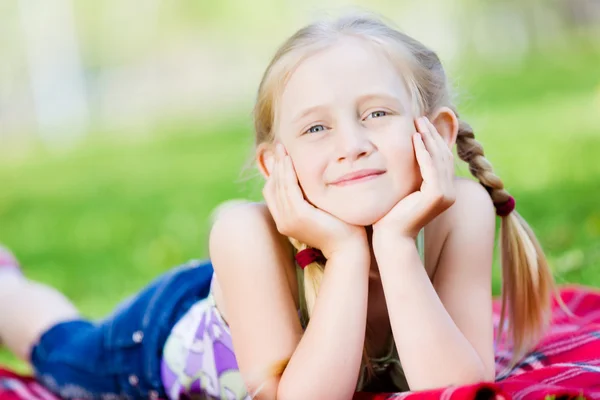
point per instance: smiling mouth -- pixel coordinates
(358, 177)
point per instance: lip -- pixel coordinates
(357, 176)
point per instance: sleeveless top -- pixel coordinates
(198, 358)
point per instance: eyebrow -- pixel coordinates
(384, 96)
(309, 111)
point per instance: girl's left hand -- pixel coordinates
(436, 194)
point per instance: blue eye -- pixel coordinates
(315, 129)
(377, 114)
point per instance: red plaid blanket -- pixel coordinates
(566, 364)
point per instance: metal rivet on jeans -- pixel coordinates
(133, 380)
(138, 336)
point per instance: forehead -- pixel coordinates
(348, 69)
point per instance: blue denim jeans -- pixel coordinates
(120, 356)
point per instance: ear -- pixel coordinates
(265, 158)
(446, 123)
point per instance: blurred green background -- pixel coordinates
(97, 199)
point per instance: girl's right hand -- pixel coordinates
(297, 218)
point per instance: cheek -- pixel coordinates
(309, 174)
(402, 163)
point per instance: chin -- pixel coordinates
(360, 213)
(360, 217)
(362, 208)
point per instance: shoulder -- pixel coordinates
(240, 214)
(248, 228)
(244, 241)
(472, 216)
(473, 202)
(473, 210)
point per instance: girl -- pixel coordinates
(370, 261)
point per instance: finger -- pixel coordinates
(440, 153)
(269, 189)
(295, 197)
(275, 179)
(426, 135)
(441, 143)
(269, 196)
(438, 173)
(444, 157)
(280, 183)
(424, 158)
(283, 176)
(270, 200)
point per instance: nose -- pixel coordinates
(353, 142)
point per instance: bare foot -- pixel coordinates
(10, 270)
(8, 261)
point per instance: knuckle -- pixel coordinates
(301, 220)
(295, 219)
(452, 197)
(283, 228)
(448, 198)
(437, 197)
(267, 193)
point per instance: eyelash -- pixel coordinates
(385, 113)
(314, 126)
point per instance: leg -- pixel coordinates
(27, 310)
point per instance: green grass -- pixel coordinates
(102, 220)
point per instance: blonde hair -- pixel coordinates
(527, 281)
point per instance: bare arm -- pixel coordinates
(444, 331)
(334, 338)
(250, 259)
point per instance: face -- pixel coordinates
(345, 120)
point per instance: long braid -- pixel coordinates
(471, 151)
(527, 282)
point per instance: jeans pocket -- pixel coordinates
(70, 361)
(76, 344)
